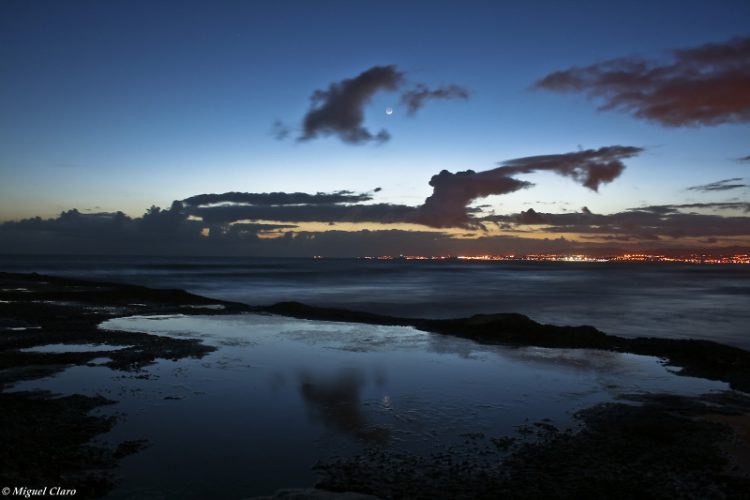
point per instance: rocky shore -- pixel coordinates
(698, 358)
(664, 447)
(45, 439)
(656, 446)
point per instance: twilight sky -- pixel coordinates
(260, 128)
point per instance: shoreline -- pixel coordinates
(39, 310)
(700, 358)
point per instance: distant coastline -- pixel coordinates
(740, 258)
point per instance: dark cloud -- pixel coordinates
(280, 130)
(339, 110)
(722, 185)
(159, 221)
(377, 213)
(118, 234)
(644, 223)
(744, 159)
(277, 198)
(530, 217)
(452, 193)
(718, 206)
(447, 206)
(414, 99)
(234, 223)
(158, 231)
(590, 167)
(706, 85)
(339, 206)
(76, 232)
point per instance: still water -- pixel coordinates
(280, 394)
(630, 299)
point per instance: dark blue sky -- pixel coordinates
(120, 105)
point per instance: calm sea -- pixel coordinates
(633, 299)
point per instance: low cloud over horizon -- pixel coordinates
(279, 223)
(650, 223)
(667, 228)
(701, 86)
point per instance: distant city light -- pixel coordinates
(628, 257)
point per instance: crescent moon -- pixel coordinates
(388, 111)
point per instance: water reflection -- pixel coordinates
(279, 394)
(66, 348)
(335, 400)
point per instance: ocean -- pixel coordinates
(279, 395)
(630, 299)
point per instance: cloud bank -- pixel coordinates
(639, 229)
(447, 206)
(701, 86)
(174, 232)
(339, 206)
(242, 223)
(649, 223)
(278, 198)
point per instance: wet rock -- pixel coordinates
(314, 494)
(699, 358)
(129, 447)
(666, 447)
(45, 440)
